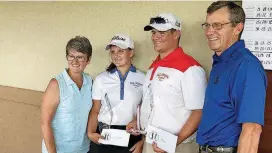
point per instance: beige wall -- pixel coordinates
(33, 35)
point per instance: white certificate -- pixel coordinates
(115, 137)
(165, 140)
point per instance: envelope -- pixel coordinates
(115, 137)
(165, 140)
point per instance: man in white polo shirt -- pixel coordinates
(177, 83)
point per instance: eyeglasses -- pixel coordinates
(215, 26)
(79, 58)
(158, 20)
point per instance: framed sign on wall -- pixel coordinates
(258, 30)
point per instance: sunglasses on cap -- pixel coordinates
(158, 20)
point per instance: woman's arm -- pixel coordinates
(48, 109)
(93, 122)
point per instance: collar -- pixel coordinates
(170, 57)
(68, 79)
(227, 54)
(132, 69)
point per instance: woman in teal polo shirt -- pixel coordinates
(67, 102)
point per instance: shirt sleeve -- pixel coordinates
(97, 88)
(194, 85)
(249, 92)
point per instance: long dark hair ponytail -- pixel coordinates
(110, 67)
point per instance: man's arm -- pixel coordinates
(250, 105)
(249, 138)
(190, 126)
(194, 81)
(187, 130)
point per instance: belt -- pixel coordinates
(106, 126)
(217, 149)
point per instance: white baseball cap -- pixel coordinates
(121, 40)
(164, 22)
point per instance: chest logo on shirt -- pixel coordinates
(216, 80)
(162, 76)
(136, 84)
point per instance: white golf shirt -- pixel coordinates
(178, 84)
(124, 94)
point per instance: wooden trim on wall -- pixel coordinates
(266, 139)
(19, 95)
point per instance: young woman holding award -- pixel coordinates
(116, 94)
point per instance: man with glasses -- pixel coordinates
(178, 84)
(233, 112)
